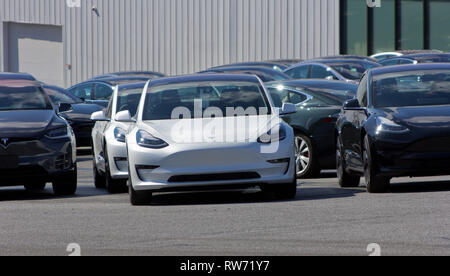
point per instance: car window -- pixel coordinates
(362, 92)
(23, 98)
(389, 62)
(83, 92)
(128, 99)
(232, 98)
(412, 88)
(58, 97)
(319, 72)
(284, 95)
(300, 72)
(406, 61)
(102, 92)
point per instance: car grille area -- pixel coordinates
(214, 177)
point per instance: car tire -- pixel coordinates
(113, 186)
(99, 179)
(374, 182)
(66, 184)
(40, 186)
(306, 160)
(139, 198)
(346, 180)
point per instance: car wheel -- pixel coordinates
(40, 186)
(306, 161)
(346, 180)
(66, 184)
(139, 198)
(113, 186)
(99, 179)
(374, 182)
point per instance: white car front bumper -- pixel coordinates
(198, 165)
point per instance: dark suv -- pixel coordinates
(36, 145)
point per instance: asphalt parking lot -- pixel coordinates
(323, 220)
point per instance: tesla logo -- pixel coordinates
(4, 142)
(374, 3)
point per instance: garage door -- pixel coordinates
(38, 50)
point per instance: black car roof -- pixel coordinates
(116, 81)
(314, 82)
(138, 73)
(132, 85)
(243, 68)
(426, 55)
(16, 76)
(409, 67)
(203, 78)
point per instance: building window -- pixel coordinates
(439, 25)
(396, 25)
(354, 27)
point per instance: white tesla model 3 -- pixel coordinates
(209, 132)
(108, 138)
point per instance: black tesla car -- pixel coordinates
(318, 105)
(36, 145)
(100, 91)
(78, 113)
(398, 125)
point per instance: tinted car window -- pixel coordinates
(83, 92)
(23, 98)
(319, 72)
(129, 100)
(58, 97)
(412, 89)
(102, 92)
(300, 72)
(352, 71)
(162, 100)
(389, 62)
(406, 61)
(362, 92)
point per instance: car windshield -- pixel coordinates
(23, 98)
(215, 98)
(128, 99)
(417, 88)
(353, 70)
(58, 97)
(434, 59)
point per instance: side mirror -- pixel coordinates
(99, 116)
(124, 117)
(64, 107)
(288, 109)
(352, 104)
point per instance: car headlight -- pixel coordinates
(276, 134)
(386, 125)
(57, 133)
(120, 135)
(146, 140)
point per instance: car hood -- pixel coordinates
(420, 117)
(212, 130)
(26, 123)
(82, 112)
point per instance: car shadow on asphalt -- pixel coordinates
(420, 187)
(250, 196)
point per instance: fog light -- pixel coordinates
(145, 171)
(121, 163)
(280, 161)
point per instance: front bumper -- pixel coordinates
(210, 166)
(39, 160)
(118, 160)
(424, 157)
